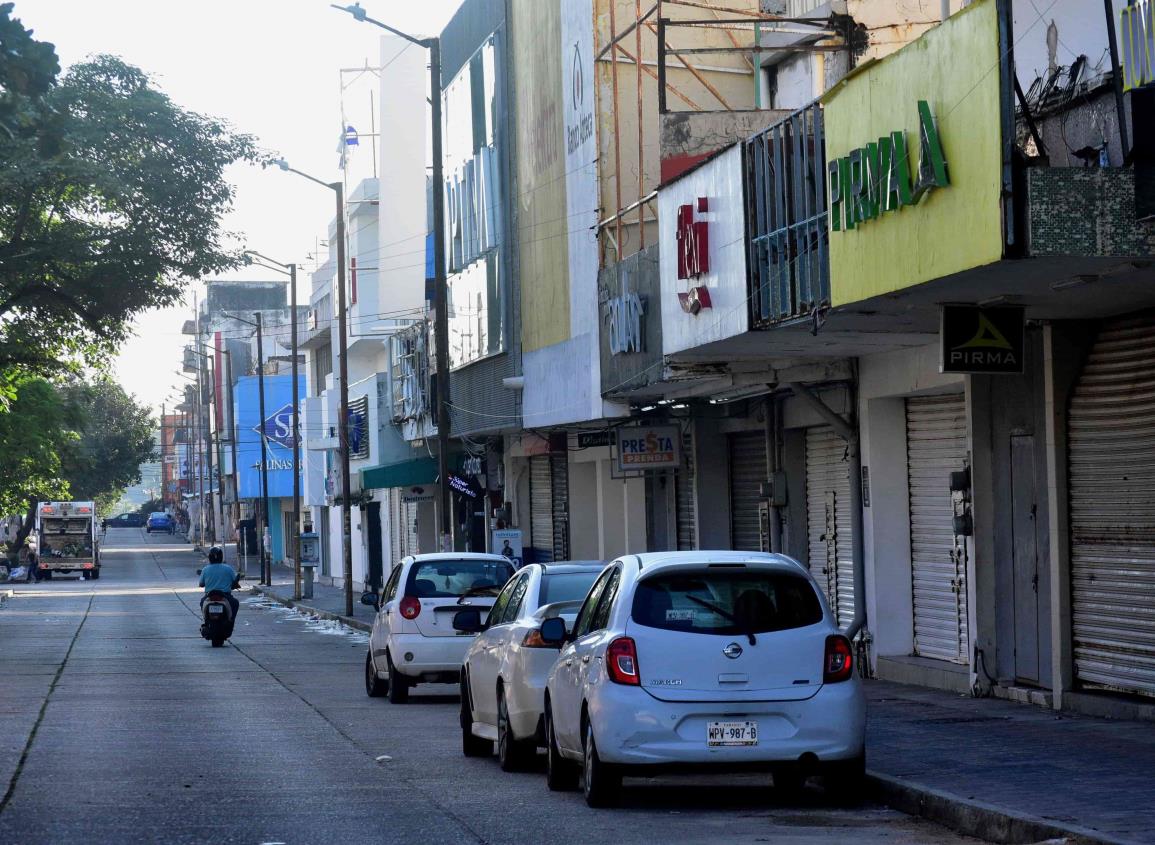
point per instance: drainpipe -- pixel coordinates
(848, 432)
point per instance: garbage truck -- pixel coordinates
(67, 539)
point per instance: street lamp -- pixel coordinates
(266, 568)
(343, 375)
(441, 297)
(291, 271)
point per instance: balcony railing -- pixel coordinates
(786, 209)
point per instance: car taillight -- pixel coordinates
(533, 640)
(622, 662)
(410, 607)
(839, 661)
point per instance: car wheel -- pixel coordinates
(94, 574)
(846, 781)
(513, 754)
(374, 686)
(398, 685)
(601, 782)
(471, 746)
(560, 773)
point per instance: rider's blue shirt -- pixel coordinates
(218, 576)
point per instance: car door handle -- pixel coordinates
(569, 661)
(585, 658)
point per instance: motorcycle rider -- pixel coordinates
(218, 576)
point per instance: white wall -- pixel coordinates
(402, 220)
(720, 181)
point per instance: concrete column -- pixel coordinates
(983, 567)
(633, 516)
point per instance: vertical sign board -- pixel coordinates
(507, 542)
(276, 429)
(982, 340)
(649, 447)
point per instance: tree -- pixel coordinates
(115, 438)
(111, 199)
(37, 428)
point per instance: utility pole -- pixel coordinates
(266, 568)
(296, 539)
(233, 444)
(343, 423)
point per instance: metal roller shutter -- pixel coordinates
(395, 528)
(747, 473)
(409, 515)
(828, 531)
(685, 514)
(559, 469)
(936, 446)
(1112, 489)
(541, 506)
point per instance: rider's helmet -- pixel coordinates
(216, 555)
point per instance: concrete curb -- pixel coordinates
(978, 818)
(320, 614)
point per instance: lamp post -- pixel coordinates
(266, 568)
(291, 271)
(343, 376)
(441, 298)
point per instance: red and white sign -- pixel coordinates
(693, 240)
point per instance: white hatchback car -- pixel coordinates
(413, 639)
(504, 671)
(691, 660)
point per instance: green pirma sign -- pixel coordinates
(877, 177)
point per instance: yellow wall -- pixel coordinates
(955, 67)
(541, 199)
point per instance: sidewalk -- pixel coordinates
(994, 769)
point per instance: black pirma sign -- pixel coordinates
(982, 340)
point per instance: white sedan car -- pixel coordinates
(413, 640)
(504, 671)
(691, 660)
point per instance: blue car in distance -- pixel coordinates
(160, 522)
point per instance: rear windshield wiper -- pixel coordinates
(726, 615)
(486, 590)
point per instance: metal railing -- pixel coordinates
(786, 208)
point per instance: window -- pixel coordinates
(601, 616)
(498, 609)
(582, 624)
(516, 599)
(566, 586)
(726, 602)
(451, 579)
(390, 591)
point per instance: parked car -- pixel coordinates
(504, 671)
(685, 660)
(126, 520)
(413, 640)
(159, 521)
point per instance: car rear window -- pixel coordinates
(566, 586)
(726, 602)
(447, 579)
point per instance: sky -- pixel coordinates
(271, 68)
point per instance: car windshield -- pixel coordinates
(447, 579)
(566, 586)
(726, 602)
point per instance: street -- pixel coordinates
(123, 725)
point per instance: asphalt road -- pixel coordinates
(118, 723)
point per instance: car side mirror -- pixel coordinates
(468, 621)
(369, 598)
(553, 631)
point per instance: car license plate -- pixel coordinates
(731, 733)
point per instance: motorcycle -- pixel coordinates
(217, 616)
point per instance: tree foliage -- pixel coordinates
(35, 434)
(111, 198)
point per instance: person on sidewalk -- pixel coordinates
(218, 576)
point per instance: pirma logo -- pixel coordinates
(278, 428)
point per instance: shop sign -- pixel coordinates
(507, 542)
(878, 176)
(982, 340)
(417, 494)
(693, 238)
(1137, 37)
(649, 447)
(278, 428)
(593, 439)
(463, 486)
(625, 314)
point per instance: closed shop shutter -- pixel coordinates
(828, 532)
(936, 446)
(395, 527)
(747, 474)
(559, 469)
(1112, 489)
(541, 506)
(684, 496)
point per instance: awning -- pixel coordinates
(401, 474)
